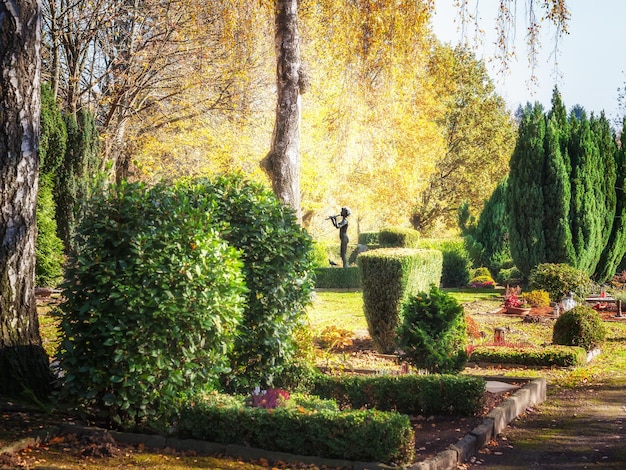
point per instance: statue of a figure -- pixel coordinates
(342, 225)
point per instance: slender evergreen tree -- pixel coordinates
(79, 165)
(615, 248)
(525, 193)
(492, 230)
(556, 190)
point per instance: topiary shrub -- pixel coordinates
(399, 238)
(559, 280)
(278, 271)
(456, 266)
(580, 326)
(369, 238)
(433, 335)
(456, 260)
(153, 299)
(388, 277)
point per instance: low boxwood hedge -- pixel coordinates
(560, 356)
(337, 278)
(410, 394)
(363, 435)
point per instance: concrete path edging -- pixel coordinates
(530, 394)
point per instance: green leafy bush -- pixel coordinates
(367, 435)
(388, 276)
(432, 335)
(580, 326)
(153, 299)
(456, 267)
(409, 394)
(559, 280)
(278, 270)
(559, 356)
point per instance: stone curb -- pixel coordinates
(532, 393)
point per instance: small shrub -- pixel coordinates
(433, 333)
(482, 271)
(360, 435)
(559, 280)
(482, 281)
(335, 338)
(409, 394)
(337, 278)
(472, 327)
(537, 298)
(369, 238)
(580, 326)
(509, 276)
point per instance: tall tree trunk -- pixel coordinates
(24, 369)
(282, 163)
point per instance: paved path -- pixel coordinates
(572, 429)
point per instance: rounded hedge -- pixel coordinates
(581, 326)
(154, 296)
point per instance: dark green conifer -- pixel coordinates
(615, 248)
(525, 193)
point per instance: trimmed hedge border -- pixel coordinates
(368, 435)
(409, 394)
(337, 278)
(560, 356)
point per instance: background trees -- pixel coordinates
(188, 88)
(565, 172)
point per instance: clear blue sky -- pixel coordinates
(591, 61)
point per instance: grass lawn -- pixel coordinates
(345, 310)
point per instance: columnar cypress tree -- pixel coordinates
(589, 203)
(525, 193)
(615, 248)
(492, 229)
(556, 190)
(80, 163)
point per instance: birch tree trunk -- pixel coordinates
(282, 163)
(24, 369)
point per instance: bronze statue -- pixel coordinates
(342, 225)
